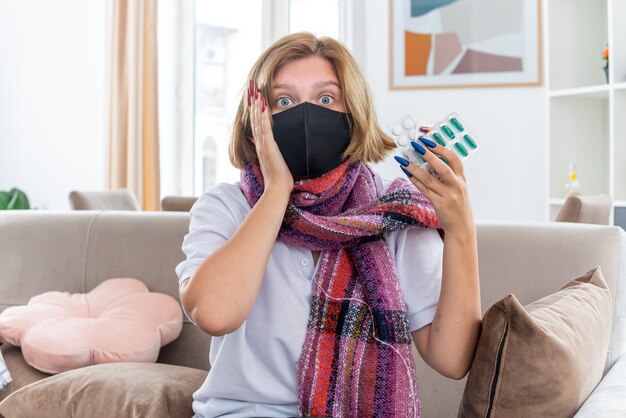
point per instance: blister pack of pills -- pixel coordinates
(451, 133)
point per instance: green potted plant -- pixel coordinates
(13, 199)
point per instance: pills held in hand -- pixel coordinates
(451, 133)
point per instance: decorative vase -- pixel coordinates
(606, 74)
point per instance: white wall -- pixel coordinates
(507, 176)
(53, 64)
(52, 98)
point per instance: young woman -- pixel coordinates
(313, 274)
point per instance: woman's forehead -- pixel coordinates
(316, 72)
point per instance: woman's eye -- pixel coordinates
(283, 101)
(326, 100)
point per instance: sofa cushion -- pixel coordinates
(21, 372)
(119, 320)
(109, 390)
(607, 399)
(543, 359)
(5, 375)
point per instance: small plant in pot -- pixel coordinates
(13, 199)
(605, 57)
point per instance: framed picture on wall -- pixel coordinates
(464, 43)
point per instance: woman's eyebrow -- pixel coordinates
(321, 84)
(282, 86)
(318, 85)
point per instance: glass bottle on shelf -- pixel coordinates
(572, 187)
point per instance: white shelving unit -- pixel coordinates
(586, 113)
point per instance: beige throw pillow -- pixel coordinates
(542, 360)
(130, 390)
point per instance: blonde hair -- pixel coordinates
(368, 142)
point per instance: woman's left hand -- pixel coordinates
(448, 194)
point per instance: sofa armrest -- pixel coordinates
(607, 399)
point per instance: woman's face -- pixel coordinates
(310, 79)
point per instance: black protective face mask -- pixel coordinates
(311, 139)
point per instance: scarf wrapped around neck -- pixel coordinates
(356, 359)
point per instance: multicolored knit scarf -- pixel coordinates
(356, 360)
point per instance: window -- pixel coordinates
(318, 16)
(227, 41)
(206, 49)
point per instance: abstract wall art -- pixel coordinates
(464, 43)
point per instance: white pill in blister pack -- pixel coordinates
(451, 133)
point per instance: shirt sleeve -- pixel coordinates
(419, 259)
(211, 225)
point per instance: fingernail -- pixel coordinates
(424, 129)
(428, 142)
(401, 160)
(263, 107)
(420, 149)
(406, 172)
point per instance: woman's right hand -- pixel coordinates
(275, 172)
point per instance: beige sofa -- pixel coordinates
(74, 251)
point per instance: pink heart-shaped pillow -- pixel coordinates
(119, 320)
